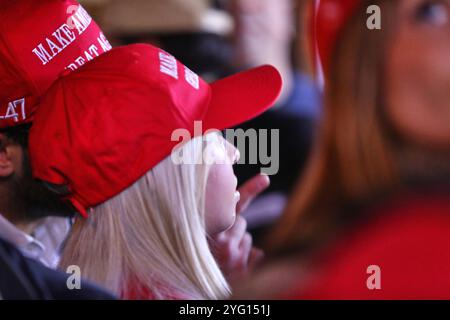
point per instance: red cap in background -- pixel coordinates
(39, 40)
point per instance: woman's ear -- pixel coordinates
(8, 154)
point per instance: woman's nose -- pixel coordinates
(237, 155)
(232, 152)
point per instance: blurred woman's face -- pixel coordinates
(418, 73)
(221, 194)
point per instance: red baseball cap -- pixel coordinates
(328, 20)
(38, 41)
(102, 127)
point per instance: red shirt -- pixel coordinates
(409, 242)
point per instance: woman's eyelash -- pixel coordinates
(432, 11)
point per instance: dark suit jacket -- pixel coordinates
(25, 279)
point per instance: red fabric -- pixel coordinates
(409, 242)
(139, 293)
(107, 124)
(143, 293)
(38, 41)
(329, 19)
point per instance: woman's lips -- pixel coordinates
(237, 196)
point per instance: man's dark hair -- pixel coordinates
(18, 134)
(39, 200)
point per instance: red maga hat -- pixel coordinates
(328, 20)
(38, 41)
(102, 127)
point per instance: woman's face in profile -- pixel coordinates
(418, 73)
(221, 194)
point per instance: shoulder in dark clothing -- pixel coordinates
(25, 279)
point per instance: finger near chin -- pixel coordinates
(245, 248)
(255, 185)
(250, 190)
(238, 230)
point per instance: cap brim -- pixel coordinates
(241, 97)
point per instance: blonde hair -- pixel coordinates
(151, 238)
(355, 157)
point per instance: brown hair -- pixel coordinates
(354, 156)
